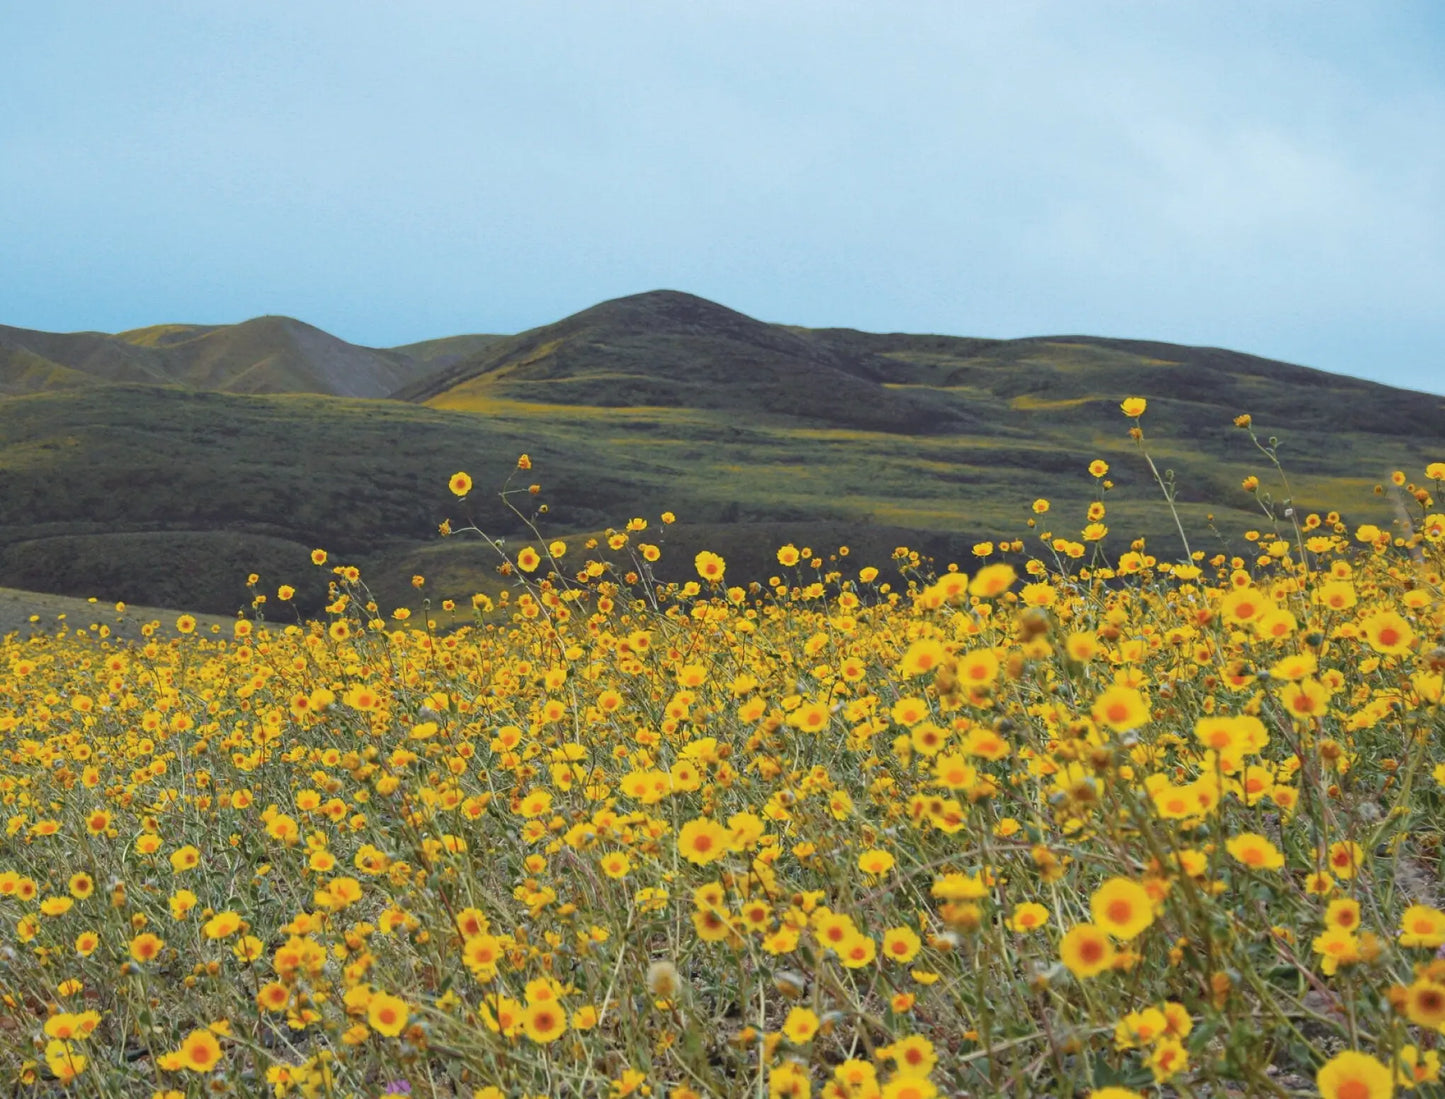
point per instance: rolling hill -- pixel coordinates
(672, 350)
(167, 484)
(261, 355)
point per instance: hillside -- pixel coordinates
(754, 434)
(672, 350)
(665, 349)
(439, 353)
(262, 355)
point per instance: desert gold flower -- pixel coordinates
(1122, 907)
(387, 1014)
(876, 862)
(1345, 857)
(1388, 632)
(1354, 1075)
(901, 944)
(1254, 851)
(1421, 925)
(1086, 950)
(710, 566)
(703, 841)
(544, 1022)
(800, 1026)
(992, 581)
(1121, 708)
(1028, 916)
(145, 946)
(200, 1051)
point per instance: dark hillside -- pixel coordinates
(753, 433)
(670, 350)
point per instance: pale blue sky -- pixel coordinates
(1263, 176)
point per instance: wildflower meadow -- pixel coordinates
(1070, 819)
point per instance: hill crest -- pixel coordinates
(668, 349)
(267, 354)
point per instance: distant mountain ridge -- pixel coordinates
(269, 354)
(660, 348)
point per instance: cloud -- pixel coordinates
(1258, 176)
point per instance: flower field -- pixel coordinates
(1071, 821)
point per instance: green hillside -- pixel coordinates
(36, 362)
(440, 353)
(670, 350)
(261, 355)
(754, 434)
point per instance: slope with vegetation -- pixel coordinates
(753, 433)
(1047, 827)
(262, 355)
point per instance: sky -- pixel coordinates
(1264, 177)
